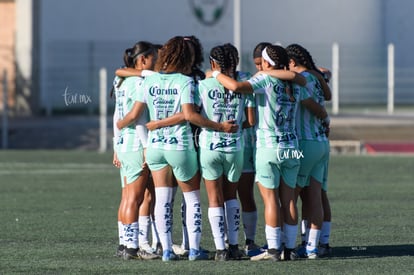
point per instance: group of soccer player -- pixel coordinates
(176, 126)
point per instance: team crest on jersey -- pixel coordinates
(208, 12)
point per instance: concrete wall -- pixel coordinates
(78, 37)
(399, 30)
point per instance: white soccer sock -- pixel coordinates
(291, 232)
(273, 237)
(193, 218)
(184, 243)
(232, 210)
(249, 224)
(303, 231)
(143, 225)
(121, 233)
(216, 218)
(325, 232)
(131, 235)
(313, 240)
(163, 216)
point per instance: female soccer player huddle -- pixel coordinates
(270, 129)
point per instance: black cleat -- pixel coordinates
(234, 252)
(130, 254)
(120, 251)
(221, 255)
(290, 254)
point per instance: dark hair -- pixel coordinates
(225, 57)
(141, 48)
(157, 46)
(233, 52)
(257, 52)
(302, 57)
(278, 55)
(233, 56)
(130, 57)
(196, 72)
(176, 56)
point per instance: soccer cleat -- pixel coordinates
(144, 255)
(147, 248)
(268, 255)
(196, 255)
(169, 255)
(130, 254)
(221, 255)
(234, 252)
(204, 250)
(301, 250)
(312, 254)
(179, 250)
(325, 250)
(252, 249)
(120, 251)
(289, 254)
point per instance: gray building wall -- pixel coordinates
(78, 37)
(398, 15)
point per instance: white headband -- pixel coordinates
(267, 58)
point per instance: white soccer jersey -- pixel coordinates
(164, 94)
(308, 126)
(276, 105)
(219, 106)
(134, 136)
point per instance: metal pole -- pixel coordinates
(237, 29)
(391, 68)
(5, 129)
(102, 110)
(335, 78)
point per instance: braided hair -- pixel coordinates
(225, 57)
(233, 55)
(278, 55)
(302, 57)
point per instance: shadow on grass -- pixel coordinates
(376, 251)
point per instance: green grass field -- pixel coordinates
(58, 216)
